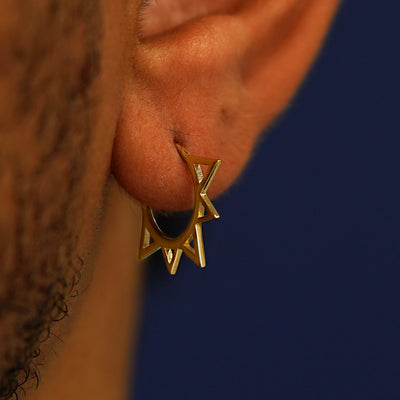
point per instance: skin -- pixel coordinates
(104, 89)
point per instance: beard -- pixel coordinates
(55, 62)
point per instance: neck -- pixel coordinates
(93, 361)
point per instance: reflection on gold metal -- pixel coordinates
(190, 241)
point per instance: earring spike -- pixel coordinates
(152, 237)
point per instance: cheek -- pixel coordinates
(115, 45)
(7, 223)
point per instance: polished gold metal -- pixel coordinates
(190, 241)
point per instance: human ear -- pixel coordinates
(211, 84)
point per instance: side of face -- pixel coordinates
(99, 87)
(56, 134)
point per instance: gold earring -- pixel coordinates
(190, 241)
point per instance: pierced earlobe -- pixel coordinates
(190, 241)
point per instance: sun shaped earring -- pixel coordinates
(190, 241)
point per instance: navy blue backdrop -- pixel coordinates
(300, 297)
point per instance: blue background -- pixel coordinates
(300, 297)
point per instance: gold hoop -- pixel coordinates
(190, 241)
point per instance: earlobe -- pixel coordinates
(210, 85)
